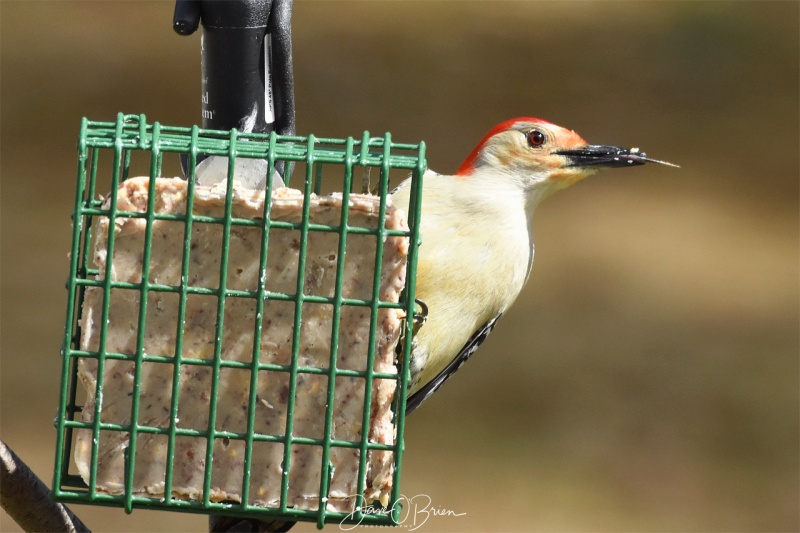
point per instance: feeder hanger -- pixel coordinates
(246, 58)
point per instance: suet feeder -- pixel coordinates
(231, 350)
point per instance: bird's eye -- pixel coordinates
(536, 138)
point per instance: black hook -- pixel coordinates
(186, 17)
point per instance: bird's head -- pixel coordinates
(541, 156)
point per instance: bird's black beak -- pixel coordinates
(608, 156)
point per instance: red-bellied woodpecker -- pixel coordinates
(477, 240)
(477, 235)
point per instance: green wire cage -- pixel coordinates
(109, 156)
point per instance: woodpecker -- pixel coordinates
(477, 235)
(477, 243)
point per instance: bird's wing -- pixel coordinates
(466, 352)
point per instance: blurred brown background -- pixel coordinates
(647, 379)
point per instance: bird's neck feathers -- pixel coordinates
(510, 181)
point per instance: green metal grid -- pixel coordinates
(130, 135)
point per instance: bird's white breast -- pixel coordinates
(475, 257)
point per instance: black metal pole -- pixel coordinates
(246, 59)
